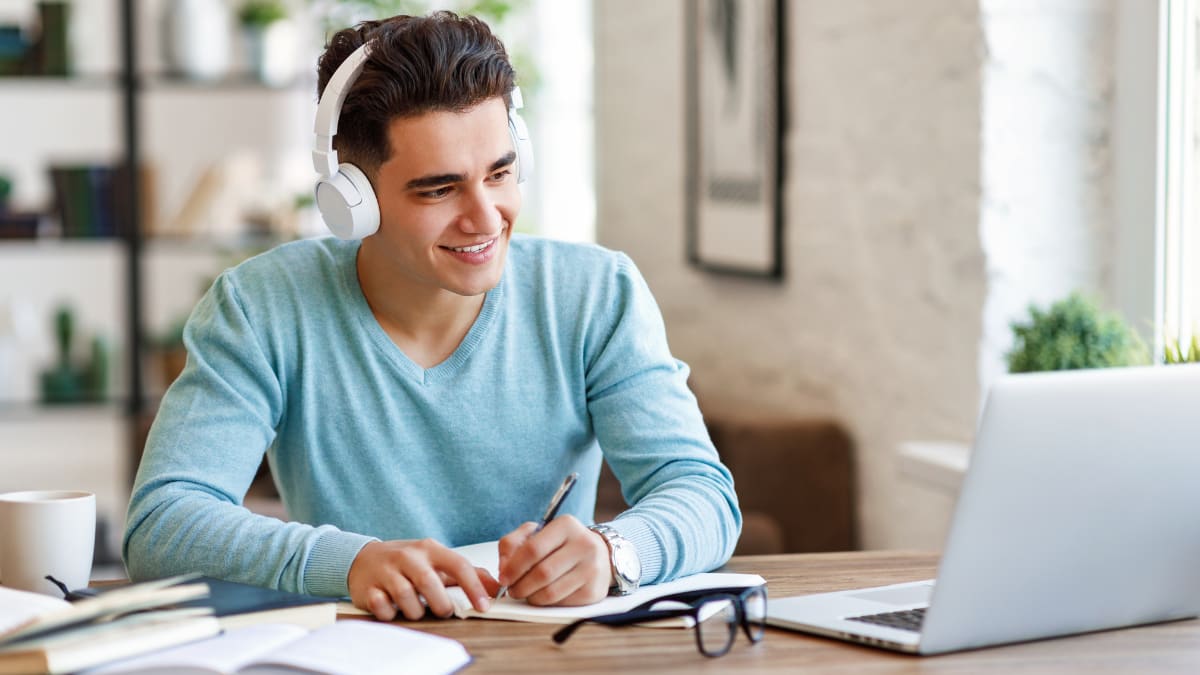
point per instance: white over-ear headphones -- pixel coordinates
(344, 194)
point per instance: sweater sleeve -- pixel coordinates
(208, 439)
(684, 516)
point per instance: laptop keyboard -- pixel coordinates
(905, 619)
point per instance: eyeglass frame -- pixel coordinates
(695, 599)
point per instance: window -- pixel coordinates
(562, 121)
(1179, 174)
(1157, 168)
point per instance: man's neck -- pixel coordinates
(425, 322)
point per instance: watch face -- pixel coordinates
(626, 561)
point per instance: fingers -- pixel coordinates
(555, 578)
(472, 580)
(409, 575)
(565, 563)
(512, 541)
(378, 603)
(402, 595)
(490, 585)
(521, 549)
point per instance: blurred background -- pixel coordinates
(952, 189)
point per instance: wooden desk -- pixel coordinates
(507, 647)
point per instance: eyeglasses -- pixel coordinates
(715, 613)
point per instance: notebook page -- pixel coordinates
(365, 648)
(19, 607)
(122, 600)
(485, 554)
(509, 609)
(225, 653)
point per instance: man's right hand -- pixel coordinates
(387, 576)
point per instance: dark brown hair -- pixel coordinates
(418, 64)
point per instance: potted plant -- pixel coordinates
(272, 41)
(341, 13)
(1074, 333)
(5, 191)
(1175, 351)
(197, 41)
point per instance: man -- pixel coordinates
(430, 385)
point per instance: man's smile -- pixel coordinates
(477, 248)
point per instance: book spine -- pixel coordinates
(89, 200)
(53, 50)
(101, 192)
(81, 201)
(63, 206)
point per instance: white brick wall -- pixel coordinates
(892, 197)
(1046, 219)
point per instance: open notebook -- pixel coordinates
(486, 555)
(344, 648)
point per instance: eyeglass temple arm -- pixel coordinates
(688, 597)
(622, 619)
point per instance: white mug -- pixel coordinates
(47, 532)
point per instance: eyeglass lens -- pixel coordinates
(718, 625)
(756, 613)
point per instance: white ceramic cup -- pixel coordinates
(47, 532)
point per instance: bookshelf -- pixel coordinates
(130, 280)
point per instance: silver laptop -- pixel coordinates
(1080, 512)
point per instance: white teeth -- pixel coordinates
(471, 249)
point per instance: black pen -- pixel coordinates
(555, 502)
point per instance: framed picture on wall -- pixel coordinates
(735, 120)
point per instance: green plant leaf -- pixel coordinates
(1071, 334)
(258, 13)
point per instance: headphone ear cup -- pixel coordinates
(522, 144)
(348, 204)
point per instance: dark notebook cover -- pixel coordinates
(242, 604)
(229, 597)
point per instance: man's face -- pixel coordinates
(448, 197)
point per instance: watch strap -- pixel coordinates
(626, 568)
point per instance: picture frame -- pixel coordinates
(735, 123)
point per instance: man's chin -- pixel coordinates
(470, 288)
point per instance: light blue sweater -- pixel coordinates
(567, 359)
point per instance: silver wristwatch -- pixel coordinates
(626, 568)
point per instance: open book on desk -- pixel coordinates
(486, 555)
(344, 648)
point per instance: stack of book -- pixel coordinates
(90, 200)
(42, 634)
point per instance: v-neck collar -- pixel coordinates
(357, 301)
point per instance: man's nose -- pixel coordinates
(481, 214)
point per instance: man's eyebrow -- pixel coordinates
(509, 158)
(447, 178)
(435, 180)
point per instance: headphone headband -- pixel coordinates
(329, 108)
